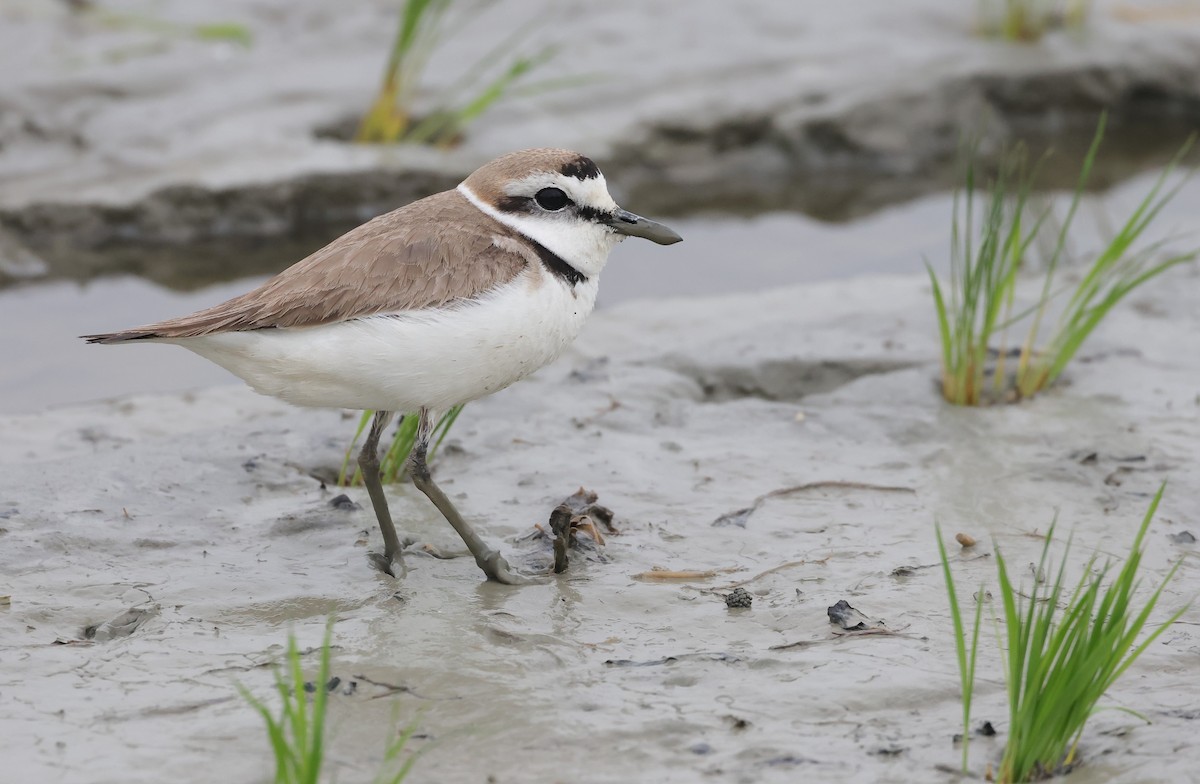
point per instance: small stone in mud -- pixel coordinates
(344, 502)
(1183, 537)
(849, 618)
(737, 722)
(700, 748)
(122, 625)
(330, 687)
(966, 540)
(738, 598)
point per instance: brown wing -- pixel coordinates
(428, 253)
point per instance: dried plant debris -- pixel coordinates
(848, 622)
(1090, 457)
(738, 517)
(659, 573)
(739, 599)
(577, 513)
(908, 570)
(716, 656)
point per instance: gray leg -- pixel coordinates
(368, 461)
(489, 560)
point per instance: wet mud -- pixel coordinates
(190, 534)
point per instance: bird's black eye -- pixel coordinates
(552, 199)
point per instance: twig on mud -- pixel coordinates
(582, 422)
(906, 571)
(773, 569)
(391, 688)
(840, 635)
(739, 517)
(657, 573)
(271, 662)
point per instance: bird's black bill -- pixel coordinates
(626, 222)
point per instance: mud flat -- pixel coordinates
(155, 551)
(790, 443)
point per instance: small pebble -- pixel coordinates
(966, 540)
(738, 597)
(343, 502)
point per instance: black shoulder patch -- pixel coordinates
(581, 168)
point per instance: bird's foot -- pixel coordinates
(382, 563)
(498, 570)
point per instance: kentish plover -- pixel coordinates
(440, 302)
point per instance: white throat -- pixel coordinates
(582, 244)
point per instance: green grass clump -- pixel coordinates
(392, 466)
(297, 734)
(422, 25)
(1062, 652)
(975, 309)
(1029, 20)
(233, 32)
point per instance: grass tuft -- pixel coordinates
(232, 32)
(1062, 652)
(423, 24)
(1029, 20)
(393, 466)
(988, 249)
(297, 734)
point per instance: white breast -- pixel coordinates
(433, 359)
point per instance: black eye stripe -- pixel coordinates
(515, 204)
(591, 213)
(526, 205)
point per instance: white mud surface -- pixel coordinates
(193, 525)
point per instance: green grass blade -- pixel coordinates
(363, 422)
(966, 664)
(443, 427)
